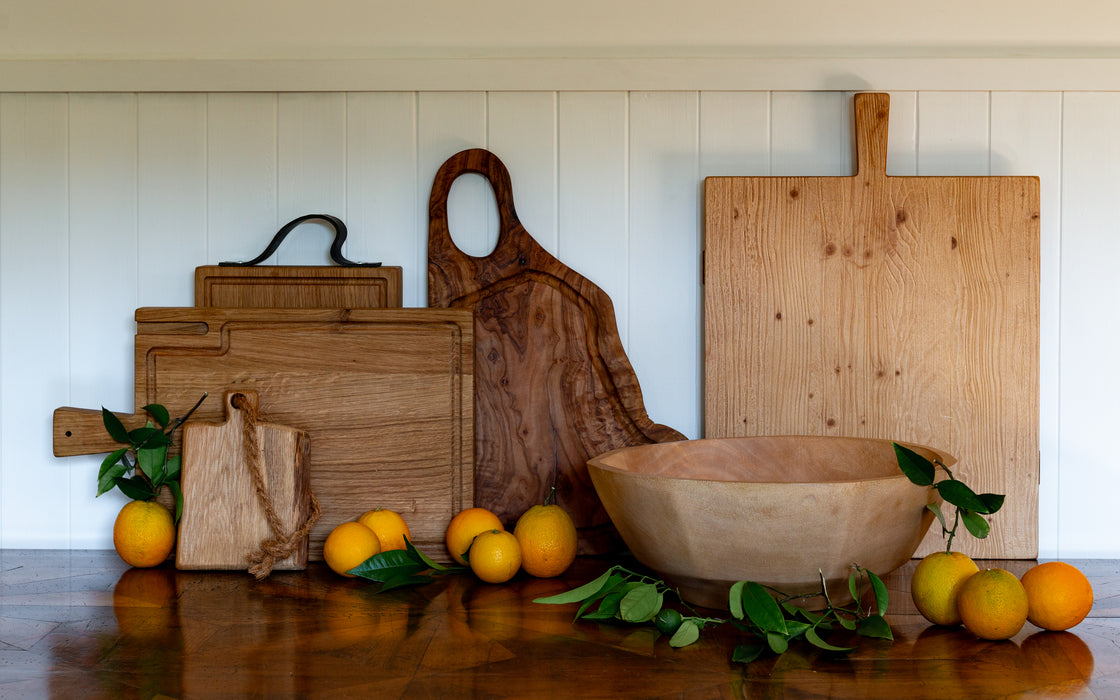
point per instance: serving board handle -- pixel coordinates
(872, 113)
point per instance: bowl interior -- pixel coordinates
(768, 459)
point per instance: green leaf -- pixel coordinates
(960, 495)
(150, 460)
(735, 599)
(148, 436)
(135, 488)
(417, 555)
(917, 468)
(108, 480)
(608, 604)
(114, 426)
(746, 653)
(583, 592)
(777, 642)
(389, 565)
(882, 596)
(158, 412)
(975, 523)
(815, 639)
(796, 628)
(936, 509)
(110, 460)
(854, 581)
(847, 623)
(994, 501)
(616, 584)
(761, 608)
(875, 626)
(178, 494)
(173, 468)
(641, 604)
(686, 634)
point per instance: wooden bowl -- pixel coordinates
(704, 514)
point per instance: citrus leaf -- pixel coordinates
(135, 488)
(936, 509)
(686, 634)
(108, 480)
(854, 581)
(796, 628)
(917, 468)
(762, 610)
(735, 599)
(150, 460)
(417, 555)
(746, 653)
(110, 460)
(608, 597)
(815, 639)
(173, 468)
(158, 412)
(114, 426)
(583, 592)
(777, 642)
(994, 501)
(882, 596)
(875, 626)
(975, 523)
(847, 623)
(178, 494)
(641, 604)
(960, 495)
(148, 436)
(389, 565)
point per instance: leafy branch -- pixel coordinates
(402, 567)
(142, 468)
(970, 507)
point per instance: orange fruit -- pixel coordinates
(348, 545)
(993, 604)
(1058, 595)
(935, 584)
(463, 528)
(144, 533)
(389, 526)
(495, 556)
(548, 540)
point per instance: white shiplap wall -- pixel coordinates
(108, 201)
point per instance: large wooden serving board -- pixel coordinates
(553, 384)
(877, 306)
(385, 395)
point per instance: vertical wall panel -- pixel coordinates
(953, 133)
(1026, 140)
(240, 175)
(522, 132)
(1090, 335)
(103, 280)
(734, 134)
(34, 304)
(311, 162)
(381, 186)
(449, 122)
(665, 256)
(171, 206)
(592, 214)
(902, 135)
(811, 133)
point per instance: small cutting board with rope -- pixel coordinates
(247, 501)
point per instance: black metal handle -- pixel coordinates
(336, 246)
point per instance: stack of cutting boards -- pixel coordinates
(385, 395)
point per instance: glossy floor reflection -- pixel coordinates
(82, 624)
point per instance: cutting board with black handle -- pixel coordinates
(880, 306)
(553, 385)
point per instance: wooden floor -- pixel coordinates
(81, 624)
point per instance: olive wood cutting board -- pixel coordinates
(553, 385)
(880, 306)
(384, 394)
(224, 517)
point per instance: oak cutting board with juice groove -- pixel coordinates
(553, 384)
(879, 306)
(385, 395)
(224, 518)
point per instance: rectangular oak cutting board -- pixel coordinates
(385, 395)
(903, 308)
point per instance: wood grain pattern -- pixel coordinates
(298, 287)
(224, 519)
(874, 306)
(553, 384)
(385, 395)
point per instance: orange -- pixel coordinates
(935, 584)
(495, 556)
(348, 545)
(463, 528)
(389, 526)
(993, 604)
(1058, 595)
(548, 540)
(144, 533)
